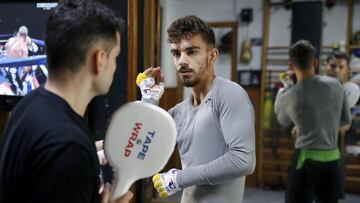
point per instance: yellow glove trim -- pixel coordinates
(160, 190)
(164, 195)
(156, 177)
(159, 187)
(283, 75)
(141, 77)
(157, 184)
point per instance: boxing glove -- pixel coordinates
(286, 79)
(150, 90)
(165, 183)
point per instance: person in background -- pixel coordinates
(337, 66)
(18, 46)
(318, 107)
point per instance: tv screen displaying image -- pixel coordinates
(23, 64)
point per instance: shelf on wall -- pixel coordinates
(279, 140)
(288, 47)
(353, 166)
(274, 61)
(273, 173)
(354, 47)
(353, 178)
(355, 70)
(277, 162)
(279, 151)
(278, 47)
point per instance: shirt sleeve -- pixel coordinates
(345, 112)
(280, 107)
(236, 118)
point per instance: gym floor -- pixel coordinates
(255, 195)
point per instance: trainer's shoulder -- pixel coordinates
(330, 82)
(328, 79)
(66, 133)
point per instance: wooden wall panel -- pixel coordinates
(3, 120)
(132, 49)
(170, 99)
(254, 94)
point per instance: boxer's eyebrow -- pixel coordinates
(191, 48)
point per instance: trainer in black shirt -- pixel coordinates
(47, 154)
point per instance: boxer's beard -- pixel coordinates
(341, 77)
(193, 80)
(188, 81)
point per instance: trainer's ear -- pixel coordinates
(315, 63)
(100, 60)
(213, 55)
(292, 66)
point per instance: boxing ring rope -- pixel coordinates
(26, 61)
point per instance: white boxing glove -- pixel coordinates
(286, 80)
(157, 91)
(165, 183)
(33, 47)
(150, 90)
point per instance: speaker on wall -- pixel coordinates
(246, 15)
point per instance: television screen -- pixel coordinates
(23, 64)
(22, 49)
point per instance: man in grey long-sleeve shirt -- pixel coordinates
(317, 106)
(216, 144)
(216, 127)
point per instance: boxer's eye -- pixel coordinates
(333, 66)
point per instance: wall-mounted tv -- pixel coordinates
(23, 64)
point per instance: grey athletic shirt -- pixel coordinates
(216, 141)
(317, 106)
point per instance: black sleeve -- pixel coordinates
(71, 176)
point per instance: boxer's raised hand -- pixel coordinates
(151, 84)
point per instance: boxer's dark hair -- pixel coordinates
(337, 55)
(188, 26)
(72, 28)
(301, 54)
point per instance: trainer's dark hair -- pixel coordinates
(337, 55)
(186, 27)
(301, 54)
(72, 28)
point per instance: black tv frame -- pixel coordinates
(7, 102)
